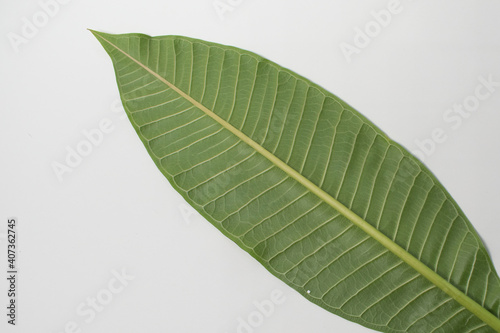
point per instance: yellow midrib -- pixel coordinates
(420, 267)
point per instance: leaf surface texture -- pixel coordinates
(307, 185)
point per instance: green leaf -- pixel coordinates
(308, 186)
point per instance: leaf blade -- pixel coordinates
(253, 131)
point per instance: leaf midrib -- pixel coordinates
(388, 243)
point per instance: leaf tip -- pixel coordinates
(100, 37)
(95, 33)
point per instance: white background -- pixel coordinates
(116, 211)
